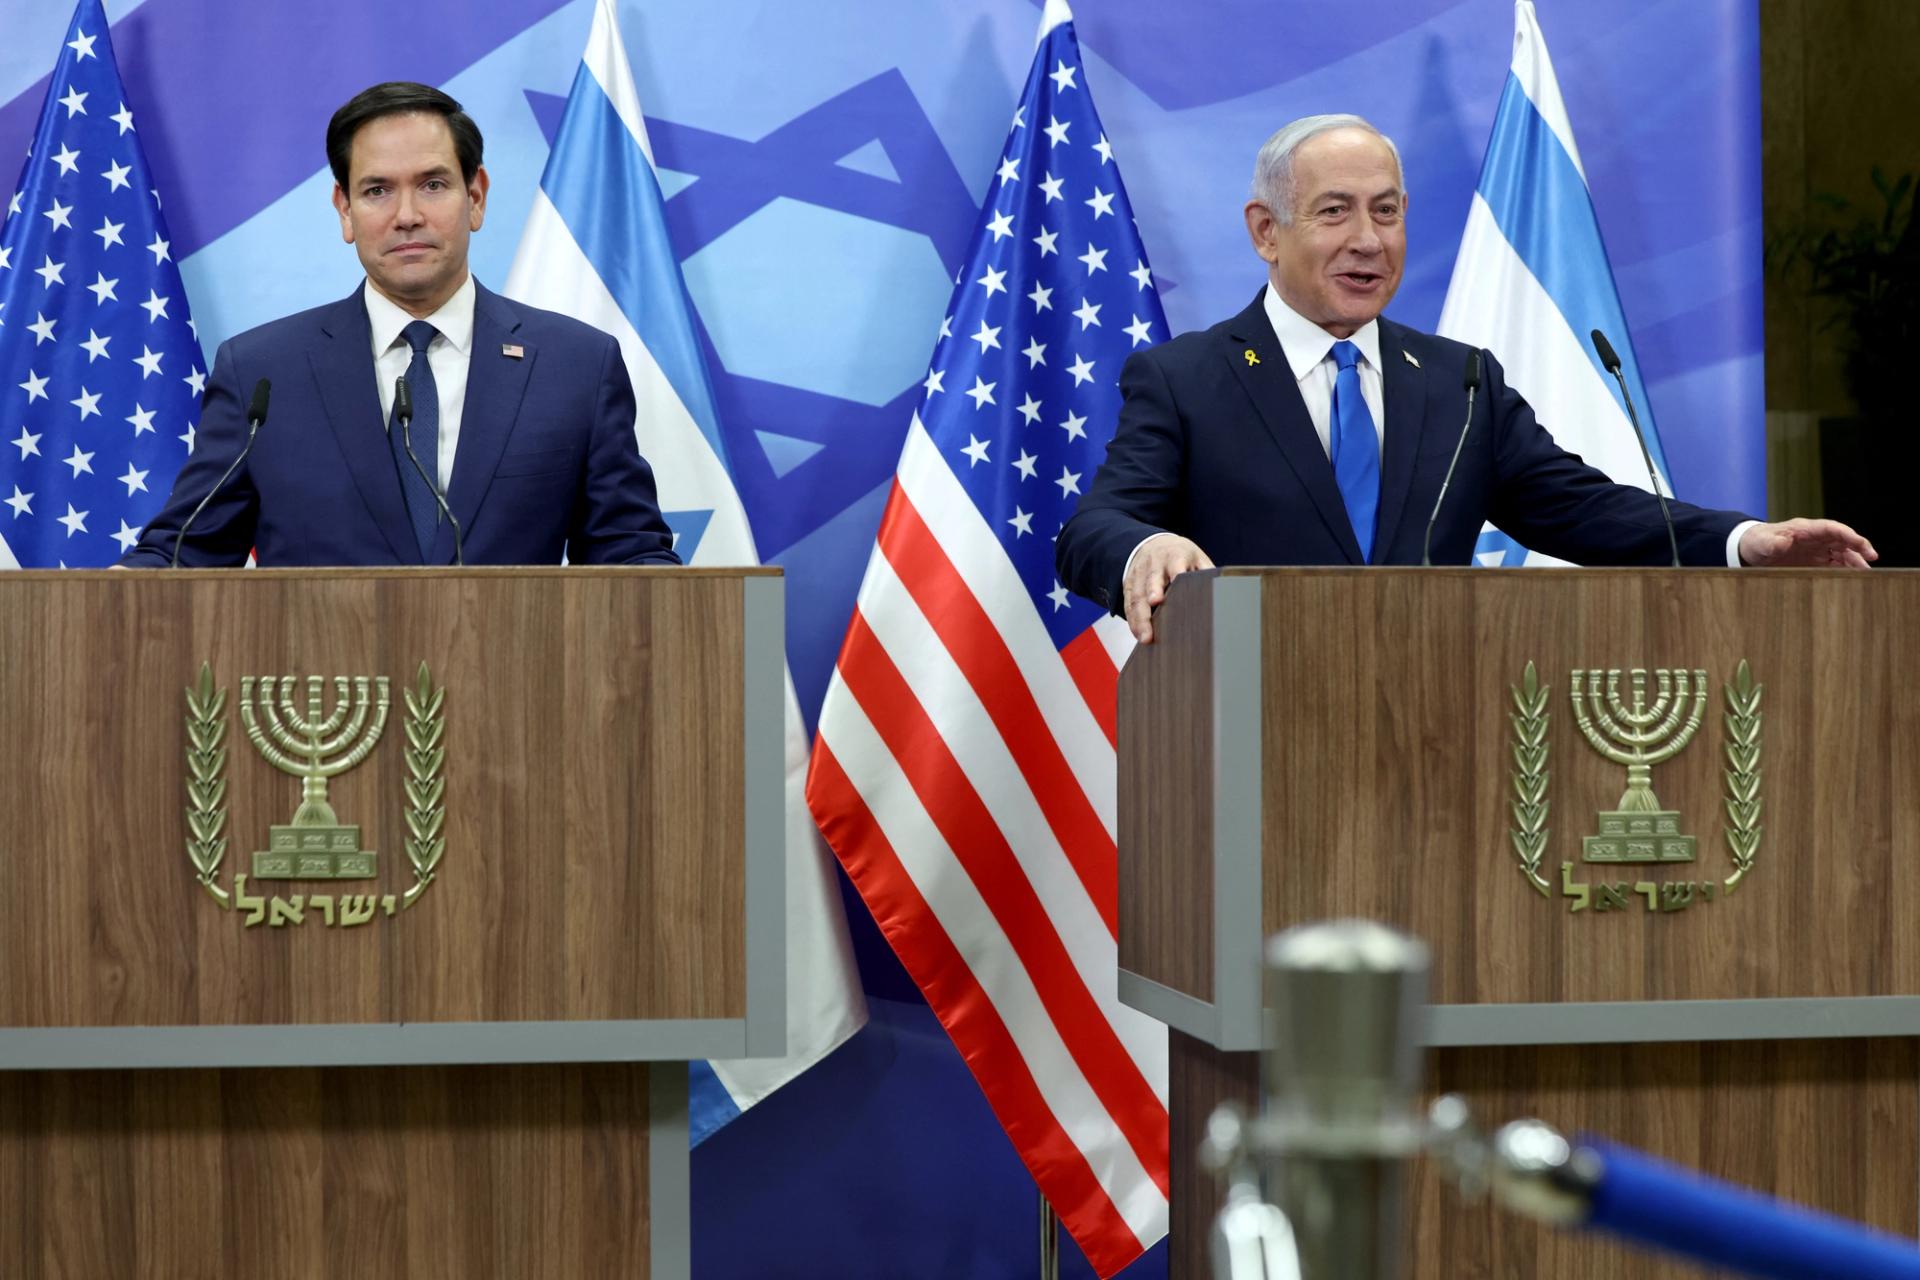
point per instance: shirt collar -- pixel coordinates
(454, 319)
(1306, 343)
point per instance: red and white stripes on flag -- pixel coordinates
(964, 767)
(964, 773)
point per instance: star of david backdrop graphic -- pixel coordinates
(824, 164)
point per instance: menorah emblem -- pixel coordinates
(1639, 736)
(314, 747)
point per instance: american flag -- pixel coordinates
(100, 369)
(964, 767)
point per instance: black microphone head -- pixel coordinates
(1472, 380)
(402, 399)
(257, 406)
(1608, 359)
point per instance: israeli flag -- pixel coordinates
(596, 248)
(1532, 282)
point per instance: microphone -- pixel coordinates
(256, 414)
(1472, 384)
(403, 409)
(1611, 363)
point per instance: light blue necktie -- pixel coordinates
(422, 511)
(1355, 447)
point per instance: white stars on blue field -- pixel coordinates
(1039, 309)
(99, 392)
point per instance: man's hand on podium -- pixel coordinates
(1805, 543)
(1156, 563)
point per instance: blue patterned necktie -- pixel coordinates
(422, 511)
(1355, 447)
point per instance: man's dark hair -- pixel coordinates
(395, 98)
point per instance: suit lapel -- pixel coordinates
(496, 383)
(1269, 383)
(343, 365)
(1405, 389)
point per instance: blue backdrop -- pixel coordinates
(825, 159)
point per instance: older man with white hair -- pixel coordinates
(1309, 430)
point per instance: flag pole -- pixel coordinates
(1049, 1241)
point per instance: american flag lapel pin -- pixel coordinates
(513, 350)
(1410, 359)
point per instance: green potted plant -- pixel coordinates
(1865, 262)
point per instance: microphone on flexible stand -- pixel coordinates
(256, 414)
(403, 409)
(1472, 384)
(1611, 363)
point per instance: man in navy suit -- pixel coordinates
(523, 419)
(1306, 430)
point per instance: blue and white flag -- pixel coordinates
(100, 370)
(1532, 282)
(596, 248)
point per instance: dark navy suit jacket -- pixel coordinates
(1221, 450)
(546, 460)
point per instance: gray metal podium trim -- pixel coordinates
(764, 686)
(369, 1044)
(1639, 1021)
(1237, 773)
(1177, 1009)
(1599, 1022)
(669, 1173)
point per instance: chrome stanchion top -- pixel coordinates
(1339, 1115)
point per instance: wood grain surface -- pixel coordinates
(1387, 757)
(1831, 1124)
(1199, 1078)
(424, 1173)
(1165, 811)
(594, 784)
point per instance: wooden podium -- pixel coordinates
(433, 1025)
(1305, 744)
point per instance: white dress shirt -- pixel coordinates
(1309, 351)
(448, 355)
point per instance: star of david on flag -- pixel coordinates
(596, 248)
(100, 368)
(964, 768)
(1532, 280)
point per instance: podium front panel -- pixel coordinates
(549, 827)
(1714, 840)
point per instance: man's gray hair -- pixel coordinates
(1273, 167)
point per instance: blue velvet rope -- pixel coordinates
(1677, 1210)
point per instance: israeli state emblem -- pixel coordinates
(1637, 719)
(314, 730)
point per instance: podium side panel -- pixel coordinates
(1165, 813)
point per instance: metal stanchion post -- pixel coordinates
(1049, 1241)
(1339, 1117)
(1315, 1180)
